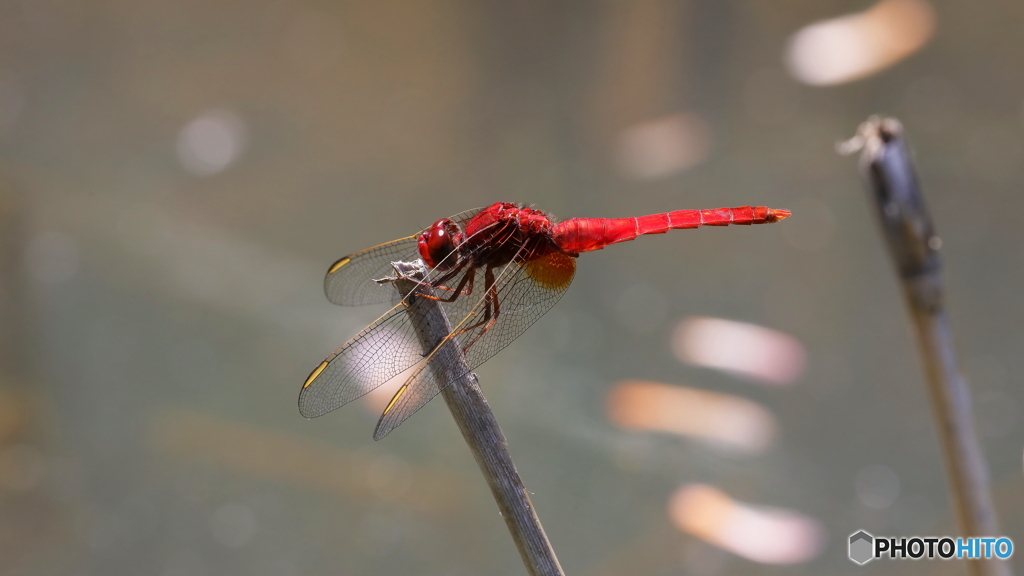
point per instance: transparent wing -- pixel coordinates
(379, 352)
(373, 356)
(524, 291)
(386, 347)
(350, 280)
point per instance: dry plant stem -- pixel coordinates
(480, 429)
(912, 242)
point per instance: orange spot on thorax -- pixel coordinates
(553, 270)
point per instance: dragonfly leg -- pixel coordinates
(491, 309)
(465, 288)
(436, 283)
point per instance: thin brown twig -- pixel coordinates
(914, 247)
(479, 427)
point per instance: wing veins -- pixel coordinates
(414, 385)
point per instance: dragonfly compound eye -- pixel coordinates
(438, 243)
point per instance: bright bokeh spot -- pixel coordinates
(665, 146)
(377, 400)
(211, 142)
(858, 45)
(722, 419)
(746, 350)
(758, 533)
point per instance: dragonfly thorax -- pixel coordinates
(504, 231)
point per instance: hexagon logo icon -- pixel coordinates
(861, 545)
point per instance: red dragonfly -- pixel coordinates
(495, 270)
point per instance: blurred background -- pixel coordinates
(176, 177)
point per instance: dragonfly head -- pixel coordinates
(438, 242)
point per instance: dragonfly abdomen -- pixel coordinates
(588, 234)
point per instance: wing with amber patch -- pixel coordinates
(350, 280)
(521, 293)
